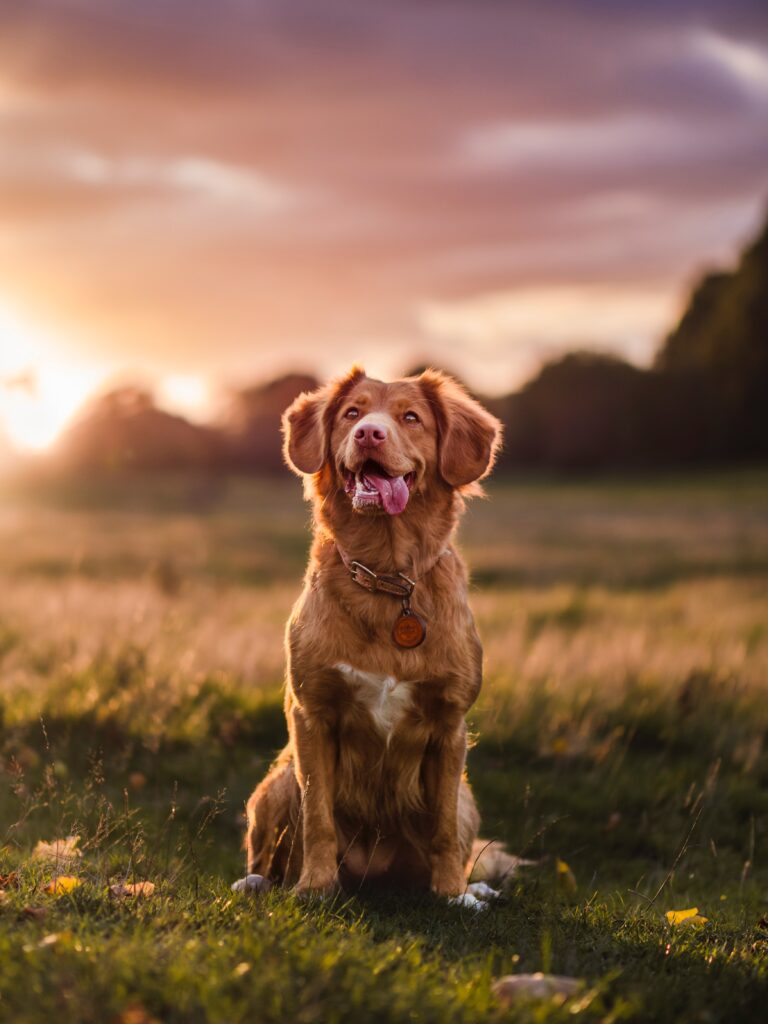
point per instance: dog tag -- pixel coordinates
(409, 629)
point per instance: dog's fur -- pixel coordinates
(371, 787)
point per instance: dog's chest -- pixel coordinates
(385, 698)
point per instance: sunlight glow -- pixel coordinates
(39, 390)
(511, 331)
(186, 394)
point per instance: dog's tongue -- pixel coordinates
(393, 491)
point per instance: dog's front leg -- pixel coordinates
(445, 769)
(315, 760)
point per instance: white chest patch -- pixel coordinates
(386, 698)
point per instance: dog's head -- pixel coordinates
(379, 443)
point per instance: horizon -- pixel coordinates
(194, 198)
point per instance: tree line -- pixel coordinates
(703, 401)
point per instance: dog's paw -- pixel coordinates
(310, 893)
(468, 899)
(252, 883)
(482, 891)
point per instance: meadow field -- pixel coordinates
(619, 745)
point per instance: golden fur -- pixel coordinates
(371, 784)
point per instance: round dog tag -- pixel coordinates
(409, 629)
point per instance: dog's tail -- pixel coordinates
(491, 862)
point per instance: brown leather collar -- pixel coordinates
(398, 585)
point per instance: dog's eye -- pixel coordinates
(352, 413)
(411, 417)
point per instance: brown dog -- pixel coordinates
(384, 660)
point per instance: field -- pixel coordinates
(619, 746)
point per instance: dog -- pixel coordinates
(384, 659)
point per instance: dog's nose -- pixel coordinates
(370, 435)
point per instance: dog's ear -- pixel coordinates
(469, 436)
(304, 441)
(308, 421)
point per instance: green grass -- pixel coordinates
(621, 730)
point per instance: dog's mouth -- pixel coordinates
(372, 488)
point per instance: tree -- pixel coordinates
(124, 430)
(721, 344)
(251, 424)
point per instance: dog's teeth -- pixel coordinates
(365, 491)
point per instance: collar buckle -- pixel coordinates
(399, 585)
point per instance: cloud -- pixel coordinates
(228, 188)
(745, 62)
(197, 175)
(608, 144)
(511, 330)
(616, 142)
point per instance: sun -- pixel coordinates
(40, 389)
(185, 394)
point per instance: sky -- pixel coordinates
(203, 193)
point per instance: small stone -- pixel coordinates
(514, 987)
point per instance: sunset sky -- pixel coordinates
(202, 193)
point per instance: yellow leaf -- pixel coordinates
(133, 889)
(565, 876)
(62, 884)
(690, 916)
(60, 851)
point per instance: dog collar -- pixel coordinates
(398, 584)
(410, 629)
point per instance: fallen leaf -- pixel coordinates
(514, 987)
(136, 1014)
(9, 881)
(62, 884)
(687, 917)
(61, 851)
(27, 757)
(35, 913)
(132, 889)
(565, 876)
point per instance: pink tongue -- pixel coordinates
(393, 491)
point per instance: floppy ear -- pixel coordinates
(304, 441)
(469, 435)
(307, 424)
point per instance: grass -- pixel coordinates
(620, 745)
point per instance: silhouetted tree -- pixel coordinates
(720, 347)
(124, 430)
(250, 426)
(703, 400)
